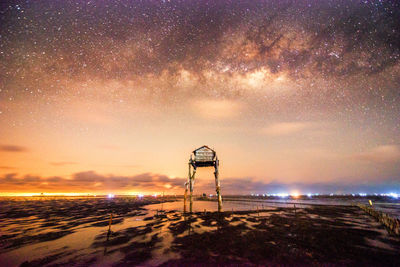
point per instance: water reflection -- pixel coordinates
(240, 205)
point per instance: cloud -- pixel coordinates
(110, 147)
(62, 163)
(249, 185)
(90, 181)
(217, 109)
(6, 168)
(285, 128)
(129, 166)
(13, 148)
(381, 154)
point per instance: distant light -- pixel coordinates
(309, 195)
(362, 194)
(282, 195)
(140, 196)
(295, 194)
(110, 195)
(155, 195)
(394, 195)
(211, 195)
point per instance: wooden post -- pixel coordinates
(162, 203)
(186, 187)
(109, 226)
(191, 195)
(184, 198)
(191, 184)
(217, 186)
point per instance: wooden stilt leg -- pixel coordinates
(185, 197)
(191, 184)
(217, 187)
(186, 188)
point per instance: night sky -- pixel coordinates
(112, 96)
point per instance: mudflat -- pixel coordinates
(74, 232)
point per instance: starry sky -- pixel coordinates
(112, 96)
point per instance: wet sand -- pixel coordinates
(74, 232)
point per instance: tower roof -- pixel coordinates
(203, 148)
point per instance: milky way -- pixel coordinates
(305, 91)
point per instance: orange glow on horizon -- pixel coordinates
(74, 194)
(295, 194)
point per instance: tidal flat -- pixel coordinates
(147, 232)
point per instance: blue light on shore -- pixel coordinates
(283, 195)
(391, 194)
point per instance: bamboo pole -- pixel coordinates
(191, 184)
(217, 186)
(109, 226)
(186, 186)
(184, 199)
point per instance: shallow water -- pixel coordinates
(201, 205)
(240, 204)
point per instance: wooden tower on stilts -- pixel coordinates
(202, 157)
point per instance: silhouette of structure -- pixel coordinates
(202, 157)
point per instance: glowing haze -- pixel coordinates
(112, 96)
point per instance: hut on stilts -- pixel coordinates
(202, 157)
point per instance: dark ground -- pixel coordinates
(331, 237)
(317, 235)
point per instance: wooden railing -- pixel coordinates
(392, 224)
